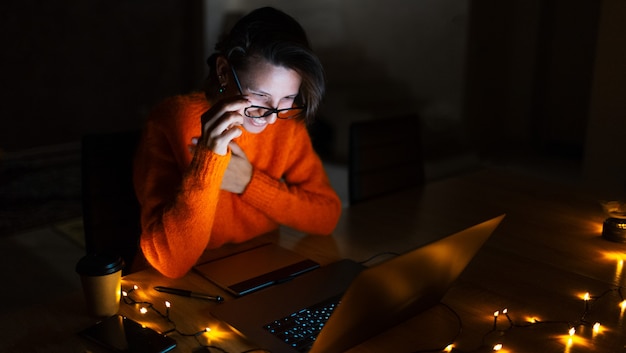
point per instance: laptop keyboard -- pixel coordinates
(300, 329)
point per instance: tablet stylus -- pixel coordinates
(188, 293)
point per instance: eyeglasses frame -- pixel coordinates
(270, 111)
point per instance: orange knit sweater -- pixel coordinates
(183, 210)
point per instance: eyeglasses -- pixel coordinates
(258, 112)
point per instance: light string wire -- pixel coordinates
(456, 336)
(581, 321)
(129, 300)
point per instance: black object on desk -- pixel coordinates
(188, 293)
(253, 269)
(122, 334)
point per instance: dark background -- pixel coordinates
(72, 67)
(541, 82)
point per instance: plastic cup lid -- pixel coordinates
(99, 264)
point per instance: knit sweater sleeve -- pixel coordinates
(178, 199)
(302, 197)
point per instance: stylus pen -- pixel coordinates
(188, 293)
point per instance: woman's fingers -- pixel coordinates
(234, 104)
(227, 121)
(220, 143)
(226, 129)
(236, 150)
(220, 124)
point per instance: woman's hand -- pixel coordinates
(239, 171)
(221, 124)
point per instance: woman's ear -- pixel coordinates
(221, 69)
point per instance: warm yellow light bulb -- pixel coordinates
(623, 304)
(505, 311)
(496, 313)
(572, 331)
(449, 348)
(532, 319)
(143, 310)
(586, 296)
(167, 304)
(124, 293)
(497, 347)
(596, 327)
(135, 287)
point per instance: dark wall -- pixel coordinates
(71, 67)
(605, 165)
(529, 75)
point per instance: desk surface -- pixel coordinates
(538, 264)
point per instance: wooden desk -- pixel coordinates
(546, 254)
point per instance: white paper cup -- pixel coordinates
(101, 278)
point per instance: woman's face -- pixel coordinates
(270, 86)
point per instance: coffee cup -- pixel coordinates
(101, 278)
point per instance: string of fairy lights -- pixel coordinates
(145, 306)
(498, 330)
(571, 326)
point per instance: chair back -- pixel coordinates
(110, 207)
(384, 157)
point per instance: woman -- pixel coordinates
(236, 161)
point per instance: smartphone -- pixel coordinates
(122, 334)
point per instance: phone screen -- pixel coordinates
(125, 335)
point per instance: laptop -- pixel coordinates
(355, 302)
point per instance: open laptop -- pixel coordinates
(356, 302)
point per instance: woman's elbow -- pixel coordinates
(166, 265)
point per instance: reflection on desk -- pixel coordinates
(540, 284)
